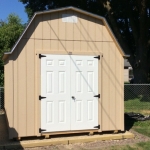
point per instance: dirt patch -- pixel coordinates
(145, 111)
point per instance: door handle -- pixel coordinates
(73, 97)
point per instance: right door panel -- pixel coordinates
(84, 86)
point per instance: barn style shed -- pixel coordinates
(64, 75)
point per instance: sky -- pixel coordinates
(12, 6)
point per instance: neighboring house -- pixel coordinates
(128, 72)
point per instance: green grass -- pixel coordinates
(138, 105)
(142, 127)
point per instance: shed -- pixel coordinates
(64, 75)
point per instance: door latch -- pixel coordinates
(73, 98)
(41, 97)
(97, 96)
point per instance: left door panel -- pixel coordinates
(55, 86)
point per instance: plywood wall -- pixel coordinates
(48, 34)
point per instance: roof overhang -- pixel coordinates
(5, 56)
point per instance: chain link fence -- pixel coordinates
(137, 98)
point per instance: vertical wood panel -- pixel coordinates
(46, 45)
(38, 27)
(62, 27)
(84, 27)
(112, 85)
(30, 87)
(99, 47)
(54, 45)
(91, 46)
(106, 35)
(99, 30)
(69, 46)
(76, 28)
(10, 97)
(46, 32)
(6, 84)
(122, 94)
(38, 44)
(105, 88)
(46, 26)
(118, 89)
(15, 79)
(69, 28)
(22, 99)
(84, 46)
(37, 80)
(91, 29)
(100, 91)
(54, 25)
(62, 45)
(77, 47)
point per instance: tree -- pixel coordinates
(129, 20)
(10, 31)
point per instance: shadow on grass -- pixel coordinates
(129, 122)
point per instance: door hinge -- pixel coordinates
(98, 57)
(40, 130)
(98, 127)
(97, 96)
(41, 97)
(40, 55)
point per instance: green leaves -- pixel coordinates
(10, 31)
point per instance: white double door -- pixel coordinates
(69, 83)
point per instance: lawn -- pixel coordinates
(138, 105)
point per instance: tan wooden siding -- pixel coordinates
(112, 84)
(30, 98)
(15, 98)
(87, 29)
(111, 88)
(119, 92)
(9, 95)
(48, 34)
(105, 87)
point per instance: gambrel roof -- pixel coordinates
(64, 9)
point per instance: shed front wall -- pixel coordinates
(47, 34)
